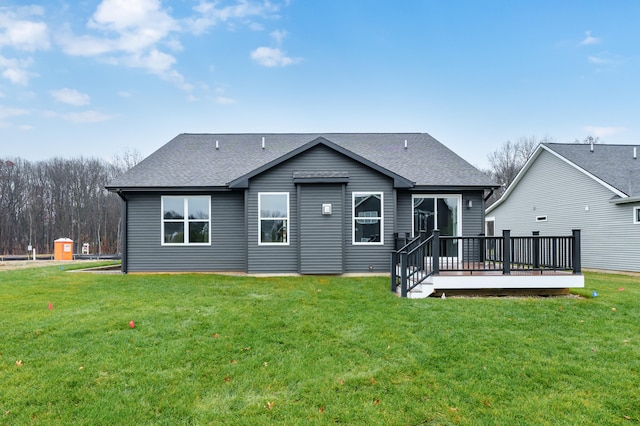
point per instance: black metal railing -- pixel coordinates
(422, 257)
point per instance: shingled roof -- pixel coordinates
(612, 164)
(215, 160)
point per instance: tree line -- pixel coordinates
(60, 198)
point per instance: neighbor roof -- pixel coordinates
(215, 160)
(613, 166)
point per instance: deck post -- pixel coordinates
(506, 252)
(577, 263)
(435, 251)
(394, 271)
(536, 250)
(482, 247)
(403, 274)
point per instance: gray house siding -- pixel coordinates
(322, 240)
(569, 199)
(144, 249)
(357, 258)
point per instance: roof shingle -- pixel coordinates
(214, 160)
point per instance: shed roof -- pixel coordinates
(215, 160)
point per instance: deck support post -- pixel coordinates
(403, 274)
(536, 249)
(435, 251)
(577, 263)
(506, 252)
(394, 271)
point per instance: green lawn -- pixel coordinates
(209, 349)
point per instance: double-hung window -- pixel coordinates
(186, 220)
(636, 215)
(273, 218)
(368, 222)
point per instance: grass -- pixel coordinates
(209, 349)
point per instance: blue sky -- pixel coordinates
(96, 77)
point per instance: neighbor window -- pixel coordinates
(273, 221)
(367, 218)
(541, 218)
(186, 220)
(636, 215)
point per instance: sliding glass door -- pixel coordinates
(438, 212)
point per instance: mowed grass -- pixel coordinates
(211, 349)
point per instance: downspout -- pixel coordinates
(489, 195)
(124, 229)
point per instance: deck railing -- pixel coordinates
(422, 257)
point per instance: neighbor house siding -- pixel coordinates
(358, 258)
(144, 249)
(572, 200)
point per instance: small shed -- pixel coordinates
(63, 249)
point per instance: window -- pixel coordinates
(541, 218)
(636, 215)
(273, 220)
(186, 220)
(368, 218)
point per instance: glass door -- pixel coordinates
(438, 212)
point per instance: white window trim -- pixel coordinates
(354, 218)
(636, 211)
(185, 221)
(435, 219)
(486, 227)
(260, 218)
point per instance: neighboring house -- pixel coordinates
(293, 203)
(594, 188)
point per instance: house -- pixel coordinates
(591, 187)
(293, 203)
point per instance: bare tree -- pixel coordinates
(507, 161)
(46, 200)
(588, 140)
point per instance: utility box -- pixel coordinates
(63, 249)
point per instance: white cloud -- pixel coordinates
(209, 14)
(143, 17)
(7, 113)
(71, 97)
(278, 36)
(601, 132)
(20, 32)
(605, 58)
(589, 39)
(89, 116)
(130, 31)
(16, 70)
(224, 100)
(11, 112)
(272, 57)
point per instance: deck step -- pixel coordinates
(422, 291)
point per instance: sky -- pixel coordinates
(97, 78)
